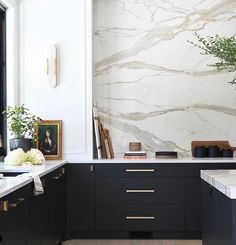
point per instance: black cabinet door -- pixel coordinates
(39, 217)
(81, 197)
(217, 216)
(2, 222)
(56, 189)
(13, 224)
(45, 211)
(192, 183)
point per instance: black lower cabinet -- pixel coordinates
(46, 224)
(14, 218)
(81, 199)
(218, 217)
(35, 220)
(136, 200)
(193, 194)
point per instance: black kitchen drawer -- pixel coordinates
(140, 190)
(139, 170)
(192, 189)
(140, 217)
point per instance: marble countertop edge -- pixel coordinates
(11, 184)
(223, 180)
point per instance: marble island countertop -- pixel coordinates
(222, 180)
(11, 184)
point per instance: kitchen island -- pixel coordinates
(218, 207)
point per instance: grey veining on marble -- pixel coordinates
(150, 84)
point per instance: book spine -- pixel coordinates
(135, 157)
(135, 154)
(100, 126)
(97, 136)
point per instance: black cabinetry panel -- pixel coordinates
(81, 197)
(140, 217)
(139, 170)
(140, 190)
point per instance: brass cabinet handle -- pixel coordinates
(3, 206)
(141, 170)
(57, 177)
(63, 171)
(140, 191)
(47, 66)
(140, 217)
(18, 202)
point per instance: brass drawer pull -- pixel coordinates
(18, 202)
(141, 170)
(3, 206)
(63, 171)
(140, 191)
(57, 177)
(140, 217)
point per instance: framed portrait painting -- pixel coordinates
(49, 139)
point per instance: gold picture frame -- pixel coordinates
(49, 139)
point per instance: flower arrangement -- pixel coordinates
(16, 157)
(19, 158)
(35, 157)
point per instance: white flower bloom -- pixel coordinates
(16, 157)
(35, 157)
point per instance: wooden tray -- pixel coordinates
(221, 144)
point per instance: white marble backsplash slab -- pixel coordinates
(150, 84)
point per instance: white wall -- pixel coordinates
(62, 23)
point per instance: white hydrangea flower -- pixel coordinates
(35, 157)
(16, 157)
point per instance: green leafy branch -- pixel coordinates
(222, 48)
(20, 121)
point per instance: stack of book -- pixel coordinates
(135, 155)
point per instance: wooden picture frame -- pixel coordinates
(49, 139)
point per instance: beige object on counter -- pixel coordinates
(135, 146)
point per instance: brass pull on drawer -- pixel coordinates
(140, 191)
(148, 170)
(3, 206)
(17, 203)
(57, 177)
(140, 217)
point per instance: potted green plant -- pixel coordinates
(21, 124)
(222, 48)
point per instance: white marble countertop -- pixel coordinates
(11, 184)
(222, 180)
(154, 160)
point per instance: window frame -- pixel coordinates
(3, 82)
